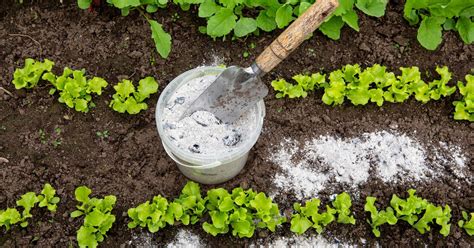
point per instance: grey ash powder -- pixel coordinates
(202, 132)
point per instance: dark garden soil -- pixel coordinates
(131, 162)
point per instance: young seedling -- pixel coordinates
(29, 76)
(130, 100)
(98, 218)
(467, 223)
(48, 198)
(308, 216)
(75, 90)
(378, 218)
(103, 135)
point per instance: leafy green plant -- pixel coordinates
(378, 218)
(464, 108)
(436, 16)
(466, 223)
(29, 76)
(98, 218)
(372, 84)
(188, 208)
(192, 203)
(342, 204)
(411, 209)
(242, 211)
(308, 216)
(48, 198)
(75, 90)
(304, 84)
(28, 201)
(9, 217)
(130, 100)
(151, 215)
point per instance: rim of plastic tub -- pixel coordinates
(203, 159)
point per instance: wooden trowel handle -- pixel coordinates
(295, 34)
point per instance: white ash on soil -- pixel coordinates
(390, 157)
(142, 240)
(185, 239)
(301, 242)
(202, 132)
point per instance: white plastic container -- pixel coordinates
(203, 168)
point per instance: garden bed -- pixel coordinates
(131, 163)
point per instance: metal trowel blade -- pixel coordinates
(234, 91)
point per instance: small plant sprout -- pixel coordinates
(130, 100)
(75, 90)
(29, 76)
(102, 134)
(27, 202)
(48, 198)
(378, 218)
(98, 218)
(42, 136)
(308, 216)
(467, 223)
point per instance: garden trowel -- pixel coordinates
(237, 89)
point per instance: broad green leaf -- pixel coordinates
(284, 15)
(84, 4)
(344, 7)
(430, 31)
(299, 224)
(332, 27)
(146, 87)
(221, 23)
(82, 194)
(161, 38)
(245, 26)
(208, 8)
(465, 27)
(265, 22)
(121, 4)
(351, 19)
(372, 7)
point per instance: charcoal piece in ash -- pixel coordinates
(180, 100)
(232, 139)
(194, 148)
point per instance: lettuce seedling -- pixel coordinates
(150, 215)
(378, 218)
(27, 201)
(342, 205)
(98, 217)
(435, 214)
(334, 92)
(466, 223)
(48, 199)
(192, 203)
(241, 210)
(438, 88)
(75, 90)
(308, 216)
(409, 209)
(304, 84)
(9, 217)
(464, 108)
(29, 76)
(127, 99)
